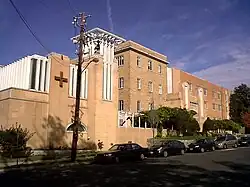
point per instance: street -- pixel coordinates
(218, 168)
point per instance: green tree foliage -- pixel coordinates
(179, 119)
(214, 125)
(14, 139)
(239, 103)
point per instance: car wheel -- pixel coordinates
(235, 145)
(182, 152)
(225, 146)
(165, 154)
(142, 157)
(213, 148)
(202, 150)
(117, 160)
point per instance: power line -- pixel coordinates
(71, 7)
(30, 29)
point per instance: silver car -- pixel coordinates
(226, 141)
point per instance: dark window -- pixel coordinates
(40, 75)
(33, 73)
(136, 146)
(45, 75)
(81, 128)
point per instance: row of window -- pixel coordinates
(120, 60)
(214, 93)
(151, 106)
(138, 106)
(139, 85)
(217, 107)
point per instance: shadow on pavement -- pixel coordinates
(130, 174)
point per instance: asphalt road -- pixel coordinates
(219, 168)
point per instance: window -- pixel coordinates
(213, 94)
(150, 65)
(81, 128)
(138, 84)
(205, 105)
(138, 106)
(159, 68)
(33, 73)
(138, 61)
(160, 89)
(213, 106)
(135, 146)
(150, 106)
(121, 105)
(121, 82)
(190, 86)
(120, 60)
(219, 107)
(40, 76)
(219, 95)
(205, 91)
(150, 86)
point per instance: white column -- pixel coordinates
(70, 79)
(108, 81)
(4, 78)
(186, 88)
(21, 74)
(82, 83)
(75, 77)
(109, 53)
(17, 77)
(86, 84)
(10, 75)
(27, 72)
(48, 75)
(104, 52)
(37, 74)
(42, 75)
(201, 104)
(101, 47)
(104, 80)
(170, 80)
(111, 81)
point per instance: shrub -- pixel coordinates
(14, 140)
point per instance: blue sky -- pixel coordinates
(208, 38)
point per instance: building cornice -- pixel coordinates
(126, 48)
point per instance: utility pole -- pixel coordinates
(77, 121)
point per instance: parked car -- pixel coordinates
(244, 141)
(122, 152)
(202, 145)
(226, 141)
(171, 147)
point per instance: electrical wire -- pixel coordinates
(71, 7)
(30, 29)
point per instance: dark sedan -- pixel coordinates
(122, 152)
(244, 141)
(202, 145)
(171, 147)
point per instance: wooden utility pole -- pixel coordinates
(77, 121)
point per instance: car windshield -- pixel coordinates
(221, 138)
(200, 141)
(244, 138)
(116, 147)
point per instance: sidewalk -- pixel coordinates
(40, 163)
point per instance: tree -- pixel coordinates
(208, 125)
(153, 119)
(239, 103)
(246, 119)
